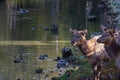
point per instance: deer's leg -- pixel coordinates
(96, 71)
(118, 62)
(99, 71)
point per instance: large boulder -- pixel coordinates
(66, 53)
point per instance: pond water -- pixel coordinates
(27, 31)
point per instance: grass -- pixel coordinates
(85, 70)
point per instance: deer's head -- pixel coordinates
(107, 35)
(79, 37)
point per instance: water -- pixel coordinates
(25, 34)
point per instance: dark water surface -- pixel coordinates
(26, 32)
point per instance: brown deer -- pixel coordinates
(109, 39)
(94, 52)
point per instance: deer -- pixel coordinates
(94, 52)
(110, 40)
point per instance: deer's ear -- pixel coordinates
(85, 31)
(112, 32)
(103, 28)
(73, 30)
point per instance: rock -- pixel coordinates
(46, 28)
(43, 57)
(66, 53)
(62, 63)
(38, 71)
(54, 29)
(22, 11)
(18, 61)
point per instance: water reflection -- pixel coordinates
(30, 28)
(23, 38)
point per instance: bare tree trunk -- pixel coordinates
(54, 11)
(88, 9)
(11, 15)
